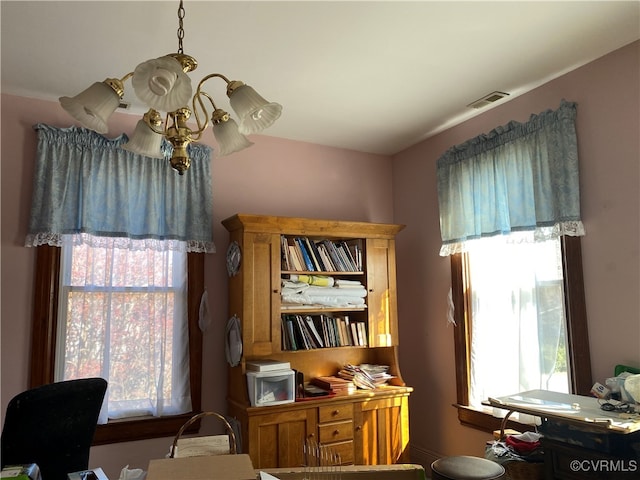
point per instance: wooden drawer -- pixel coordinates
(333, 413)
(336, 431)
(571, 462)
(344, 449)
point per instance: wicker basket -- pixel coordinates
(203, 441)
(518, 469)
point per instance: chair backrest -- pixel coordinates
(53, 426)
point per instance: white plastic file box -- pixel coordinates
(271, 387)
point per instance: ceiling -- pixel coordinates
(372, 76)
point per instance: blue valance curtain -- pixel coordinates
(87, 185)
(521, 177)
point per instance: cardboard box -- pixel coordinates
(212, 467)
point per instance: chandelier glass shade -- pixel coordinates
(255, 112)
(226, 131)
(145, 140)
(93, 107)
(163, 85)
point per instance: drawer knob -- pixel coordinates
(336, 432)
(336, 412)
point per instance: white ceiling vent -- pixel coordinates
(487, 99)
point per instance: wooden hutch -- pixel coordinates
(366, 427)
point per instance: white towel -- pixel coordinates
(331, 301)
(348, 283)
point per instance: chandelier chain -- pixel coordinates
(180, 27)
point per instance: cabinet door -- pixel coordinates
(260, 296)
(276, 440)
(381, 434)
(381, 296)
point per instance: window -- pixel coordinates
(560, 361)
(517, 313)
(520, 321)
(46, 323)
(90, 187)
(122, 317)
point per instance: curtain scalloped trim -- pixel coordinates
(124, 243)
(540, 234)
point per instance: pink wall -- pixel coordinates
(275, 176)
(608, 128)
(284, 177)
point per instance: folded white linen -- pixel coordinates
(298, 286)
(331, 301)
(324, 292)
(289, 287)
(342, 292)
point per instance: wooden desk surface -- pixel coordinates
(577, 409)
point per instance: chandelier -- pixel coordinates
(162, 85)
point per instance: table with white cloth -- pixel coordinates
(580, 439)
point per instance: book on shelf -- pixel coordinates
(354, 333)
(317, 259)
(345, 256)
(355, 249)
(303, 335)
(288, 334)
(295, 259)
(311, 332)
(296, 334)
(284, 254)
(330, 248)
(305, 254)
(285, 343)
(363, 338)
(345, 340)
(326, 258)
(307, 332)
(332, 329)
(314, 331)
(321, 255)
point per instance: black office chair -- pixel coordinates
(53, 426)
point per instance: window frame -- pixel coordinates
(43, 348)
(578, 353)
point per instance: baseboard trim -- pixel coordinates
(423, 457)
